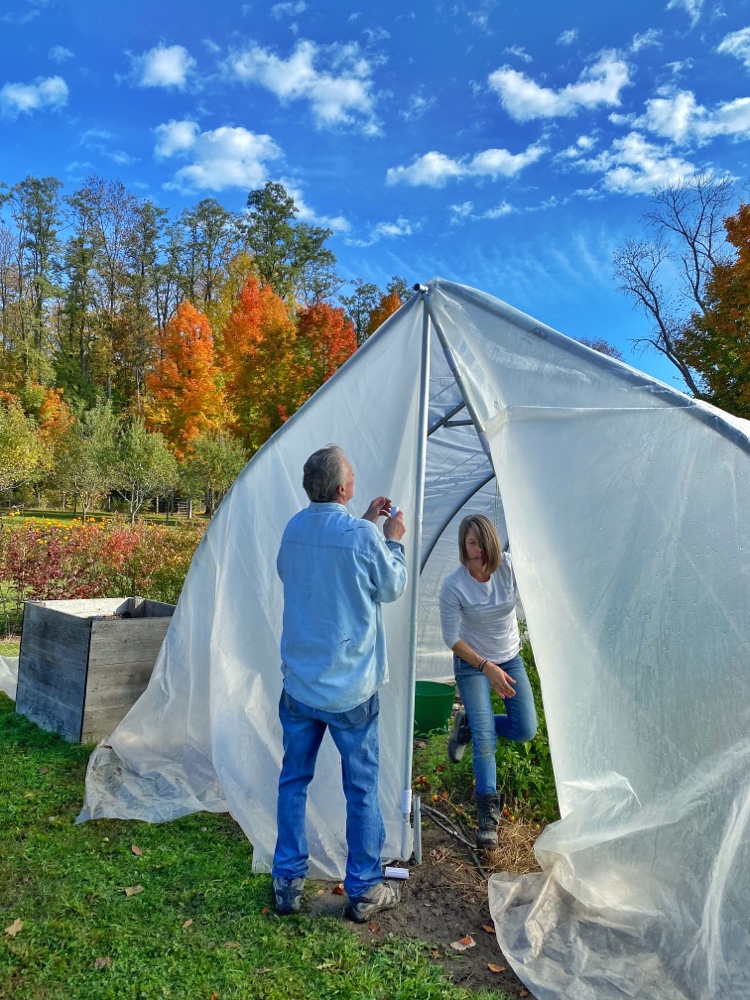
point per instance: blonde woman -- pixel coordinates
(479, 624)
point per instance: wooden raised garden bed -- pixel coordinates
(83, 664)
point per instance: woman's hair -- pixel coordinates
(323, 473)
(486, 535)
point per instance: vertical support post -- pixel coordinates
(458, 376)
(416, 561)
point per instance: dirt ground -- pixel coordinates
(445, 899)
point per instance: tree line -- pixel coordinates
(177, 345)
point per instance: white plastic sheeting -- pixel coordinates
(627, 507)
(9, 675)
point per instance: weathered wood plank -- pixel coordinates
(52, 670)
(126, 640)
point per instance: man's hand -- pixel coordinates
(379, 507)
(394, 527)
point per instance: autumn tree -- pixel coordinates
(21, 447)
(602, 346)
(184, 396)
(686, 238)
(325, 339)
(390, 302)
(290, 256)
(717, 341)
(258, 362)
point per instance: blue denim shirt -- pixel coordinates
(337, 570)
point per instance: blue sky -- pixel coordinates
(506, 145)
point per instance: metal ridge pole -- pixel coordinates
(422, 428)
(455, 368)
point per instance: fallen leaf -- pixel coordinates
(320, 892)
(374, 927)
(28, 795)
(497, 968)
(523, 993)
(136, 850)
(338, 890)
(187, 923)
(264, 911)
(43, 770)
(231, 944)
(489, 928)
(103, 962)
(262, 972)
(133, 890)
(435, 953)
(214, 996)
(463, 944)
(15, 928)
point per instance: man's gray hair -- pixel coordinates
(323, 473)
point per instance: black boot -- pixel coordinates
(489, 810)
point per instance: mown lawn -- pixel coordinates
(201, 927)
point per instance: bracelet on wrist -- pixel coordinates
(481, 665)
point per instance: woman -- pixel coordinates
(478, 620)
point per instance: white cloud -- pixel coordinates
(436, 169)
(418, 106)
(524, 99)
(679, 117)
(737, 44)
(648, 38)
(499, 211)
(462, 211)
(222, 158)
(335, 222)
(58, 53)
(290, 9)
(163, 66)
(519, 52)
(692, 7)
(338, 95)
(583, 144)
(567, 37)
(633, 165)
(402, 227)
(16, 98)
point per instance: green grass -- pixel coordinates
(67, 883)
(9, 648)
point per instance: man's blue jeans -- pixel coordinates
(355, 734)
(519, 725)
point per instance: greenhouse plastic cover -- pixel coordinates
(626, 505)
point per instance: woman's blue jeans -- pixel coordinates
(355, 734)
(519, 725)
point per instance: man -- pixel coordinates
(337, 570)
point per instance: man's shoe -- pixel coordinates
(459, 737)
(383, 896)
(287, 894)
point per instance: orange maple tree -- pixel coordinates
(325, 339)
(258, 363)
(389, 303)
(185, 399)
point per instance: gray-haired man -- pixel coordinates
(337, 570)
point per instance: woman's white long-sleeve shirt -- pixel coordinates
(482, 614)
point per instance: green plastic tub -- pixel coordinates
(433, 704)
